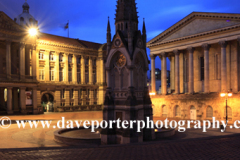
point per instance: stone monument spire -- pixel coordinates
(127, 96)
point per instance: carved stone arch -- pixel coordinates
(144, 56)
(48, 92)
(113, 53)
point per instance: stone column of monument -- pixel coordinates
(223, 66)
(8, 59)
(9, 100)
(22, 100)
(153, 77)
(164, 74)
(177, 88)
(206, 67)
(22, 60)
(190, 89)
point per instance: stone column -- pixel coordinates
(164, 74)
(34, 62)
(8, 59)
(22, 60)
(9, 100)
(34, 100)
(22, 100)
(172, 73)
(108, 75)
(153, 77)
(176, 52)
(57, 66)
(223, 66)
(190, 87)
(90, 72)
(206, 67)
(66, 67)
(27, 60)
(15, 99)
(74, 69)
(47, 66)
(91, 97)
(83, 70)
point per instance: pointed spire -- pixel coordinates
(25, 7)
(124, 8)
(108, 26)
(144, 27)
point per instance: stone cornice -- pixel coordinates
(188, 19)
(198, 35)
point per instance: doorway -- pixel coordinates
(193, 113)
(47, 102)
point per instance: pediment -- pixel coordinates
(8, 25)
(197, 23)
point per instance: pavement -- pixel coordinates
(39, 143)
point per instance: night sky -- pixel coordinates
(88, 19)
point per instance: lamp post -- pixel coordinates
(226, 95)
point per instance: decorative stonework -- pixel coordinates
(120, 61)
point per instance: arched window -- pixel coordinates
(209, 112)
(229, 112)
(164, 111)
(177, 111)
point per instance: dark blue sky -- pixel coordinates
(88, 19)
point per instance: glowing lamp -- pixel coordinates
(223, 94)
(152, 94)
(229, 94)
(33, 31)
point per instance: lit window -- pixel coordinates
(61, 77)
(41, 74)
(52, 74)
(51, 57)
(41, 55)
(209, 112)
(177, 111)
(164, 111)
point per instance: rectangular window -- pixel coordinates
(41, 55)
(69, 59)
(202, 68)
(61, 78)
(63, 93)
(52, 74)
(60, 58)
(51, 57)
(41, 74)
(71, 93)
(79, 75)
(70, 75)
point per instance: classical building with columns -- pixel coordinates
(61, 74)
(204, 54)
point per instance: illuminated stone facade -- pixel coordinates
(204, 54)
(61, 74)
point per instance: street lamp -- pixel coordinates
(226, 95)
(32, 31)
